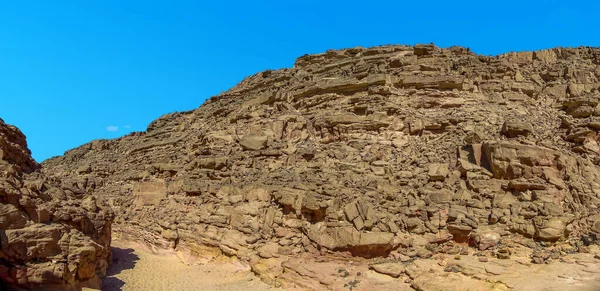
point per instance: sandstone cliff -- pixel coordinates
(51, 236)
(387, 152)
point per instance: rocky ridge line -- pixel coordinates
(394, 152)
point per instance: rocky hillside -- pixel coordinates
(394, 152)
(52, 236)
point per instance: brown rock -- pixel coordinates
(596, 226)
(11, 217)
(515, 129)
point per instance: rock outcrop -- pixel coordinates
(385, 152)
(52, 234)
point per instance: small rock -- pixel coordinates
(537, 260)
(438, 172)
(551, 229)
(390, 269)
(487, 239)
(503, 254)
(89, 204)
(514, 129)
(253, 142)
(494, 269)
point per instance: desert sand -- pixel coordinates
(135, 267)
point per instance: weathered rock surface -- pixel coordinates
(394, 151)
(51, 235)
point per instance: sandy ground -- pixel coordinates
(135, 267)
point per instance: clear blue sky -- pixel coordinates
(72, 71)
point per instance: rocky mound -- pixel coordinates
(51, 236)
(388, 152)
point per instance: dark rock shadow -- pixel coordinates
(122, 259)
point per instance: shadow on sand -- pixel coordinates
(122, 259)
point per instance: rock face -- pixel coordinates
(51, 235)
(392, 151)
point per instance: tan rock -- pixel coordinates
(150, 193)
(512, 160)
(89, 204)
(438, 172)
(351, 211)
(253, 142)
(258, 194)
(596, 226)
(487, 239)
(391, 269)
(550, 230)
(515, 129)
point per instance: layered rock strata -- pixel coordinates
(384, 152)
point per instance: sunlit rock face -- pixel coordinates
(392, 151)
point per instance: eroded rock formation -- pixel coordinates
(386, 152)
(52, 235)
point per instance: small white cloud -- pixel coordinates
(127, 126)
(112, 128)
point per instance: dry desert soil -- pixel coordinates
(136, 267)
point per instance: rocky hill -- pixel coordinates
(52, 235)
(393, 153)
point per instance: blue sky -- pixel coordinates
(75, 71)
